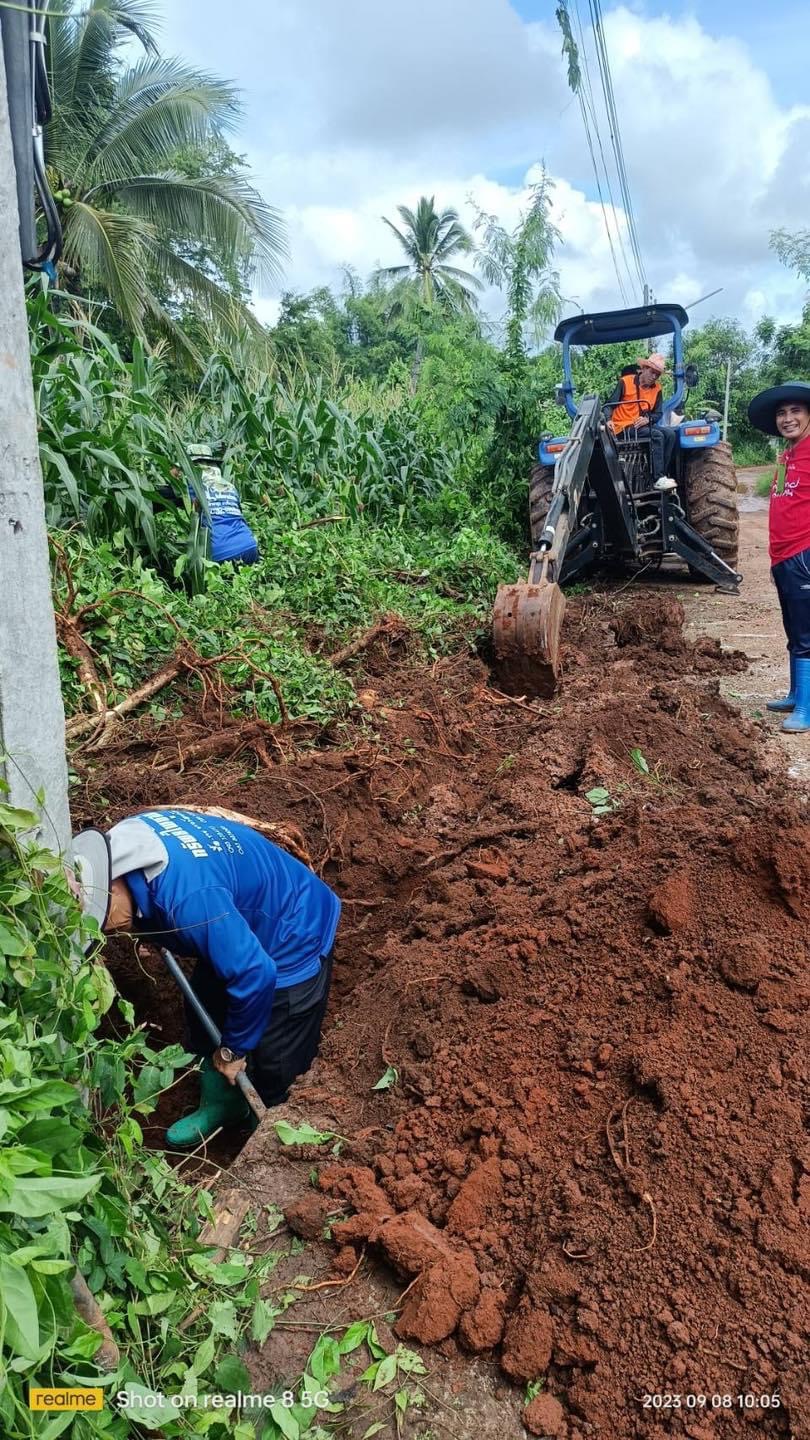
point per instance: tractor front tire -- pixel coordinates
(711, 501)
(541, 483)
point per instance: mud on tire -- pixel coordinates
(711, 500)
(541, 481)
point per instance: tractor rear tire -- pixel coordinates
(541, 483)
(711, 501)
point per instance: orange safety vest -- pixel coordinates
(637, 400)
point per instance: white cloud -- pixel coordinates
(354, 107)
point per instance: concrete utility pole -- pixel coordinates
(32, 717)
(727, 399)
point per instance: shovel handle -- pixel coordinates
(251, 1094)
(247, 1087)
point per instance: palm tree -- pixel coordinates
(128, 209)
(429, 240)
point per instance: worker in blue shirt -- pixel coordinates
(231, 536)
(260, 924)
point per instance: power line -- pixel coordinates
(586, 99)
(615, 136)
(615, 131)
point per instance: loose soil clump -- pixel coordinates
(595, 1159)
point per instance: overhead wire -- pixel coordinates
(614, 127)
(588, 108)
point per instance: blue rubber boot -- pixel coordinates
(221, 1104)
(800, 718)
(783, 707)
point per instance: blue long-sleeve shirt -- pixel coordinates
(231, 536)
(258, 916)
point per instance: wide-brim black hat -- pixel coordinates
(763, 407)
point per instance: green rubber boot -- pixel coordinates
(220, 1104)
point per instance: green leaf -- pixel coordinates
(32, 1198)
(354, 1337)
(228, 1272)
(51, 1135)
(388, 1079)
(302, 1134)
(155, 1304)
(408, 1361)
(231, 1375)
(12, 942)
(21, 1334)
(55, 1426)
(203, 1357)
(598, 795)
(222, 1315)
(374, 1429)
(324, 1362)
(639, 761)
(286, 1421)
(150, 1416)
(15, 820)
(386, 1372)
(39, 1095)
(263, 1321)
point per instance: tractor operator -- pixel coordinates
(637, 404)
(784, 410)
(260, 924)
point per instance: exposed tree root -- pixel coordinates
(634, 1178)
(100, 726)
(392, 626)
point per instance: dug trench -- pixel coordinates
(574, 936)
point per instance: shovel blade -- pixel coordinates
(526, 625)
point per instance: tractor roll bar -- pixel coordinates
(611, 327)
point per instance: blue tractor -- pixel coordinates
(594, 499)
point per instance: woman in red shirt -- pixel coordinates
(785, 411)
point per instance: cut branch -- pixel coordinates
(76, 645)
(393, 626)
(105, 720)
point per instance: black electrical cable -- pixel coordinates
(41, 113)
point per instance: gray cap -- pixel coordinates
(91, 862)
(98, 858)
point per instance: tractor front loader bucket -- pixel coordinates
(526, 625)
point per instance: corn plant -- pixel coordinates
(107, 444)
(322, 454)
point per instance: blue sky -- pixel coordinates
(348, 112)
